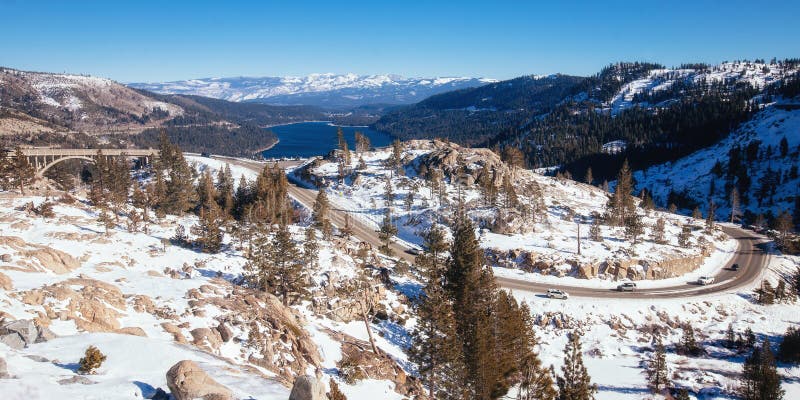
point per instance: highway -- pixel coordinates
(750, 254)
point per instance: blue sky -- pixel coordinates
(170, 40)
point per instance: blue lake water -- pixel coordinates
(308, 139)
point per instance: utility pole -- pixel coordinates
(578, 222)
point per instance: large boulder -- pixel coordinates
(24, 327)
(307, 387)
(187, 381)
(19, 334)
(12, 340)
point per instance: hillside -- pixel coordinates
(477, 115)
(759, 161)
(653, 114)
(40, 102)
(44, 109)
(330, 91)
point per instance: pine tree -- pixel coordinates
(276, 267)
(634, 227)
(209, 229)
(712, 208)
(180, 195)
(435, 348)
(683, 394)
(471, 286)
(105, 219)
(780, 291)
(22, 171)
(784, 225)
(310, 248)
(594, 231)
(765, 293)
(432, 261)
(684, 236)
(789, 350)
(388, 192)
(621, 205)
(574, 382)
(320, 213)
(730, 337)
(511, 199)
(658, 231)
(396, 159)
(696, 214)
(657, 367)
(735, 213)
(388, 229)
(760, 379)
(589, 178)
(287, 270)
(536, 382)
(225, 189)
(689, 345)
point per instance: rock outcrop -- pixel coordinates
(307, 387)
(38, 258)
(22, 333)
(187, 381)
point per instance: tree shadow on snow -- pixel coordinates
(70, 366)
(147, 390)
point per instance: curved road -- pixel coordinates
(750, 255)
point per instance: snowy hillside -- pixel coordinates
(766, 178)
(660, 81)
(147, 303)
(617, 333)
(55, 101)
(326, 90)
(541, 242)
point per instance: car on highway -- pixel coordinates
(413, 251)
(735, 267)
(557, 294)
(705, 280)
(627, 287)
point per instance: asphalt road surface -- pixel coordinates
(750, 255)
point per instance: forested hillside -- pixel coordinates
(476, 115)
(649, 113)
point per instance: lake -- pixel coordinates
(308, 139)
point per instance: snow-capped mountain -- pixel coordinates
(326, 90)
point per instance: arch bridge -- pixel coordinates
(43, 159)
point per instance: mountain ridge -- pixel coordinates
(329, 90)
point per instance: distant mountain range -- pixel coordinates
(329, 91)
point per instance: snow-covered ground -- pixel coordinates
(756, 74)
(553, 238)
(693, 174)
(616, 337)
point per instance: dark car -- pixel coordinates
(735, 267)
(205, 154)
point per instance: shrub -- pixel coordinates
(91, 360)
(350, 369)
(789, 350)
(335, 393)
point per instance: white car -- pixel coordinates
(557, 294)
(705, 280)
(627, 287)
